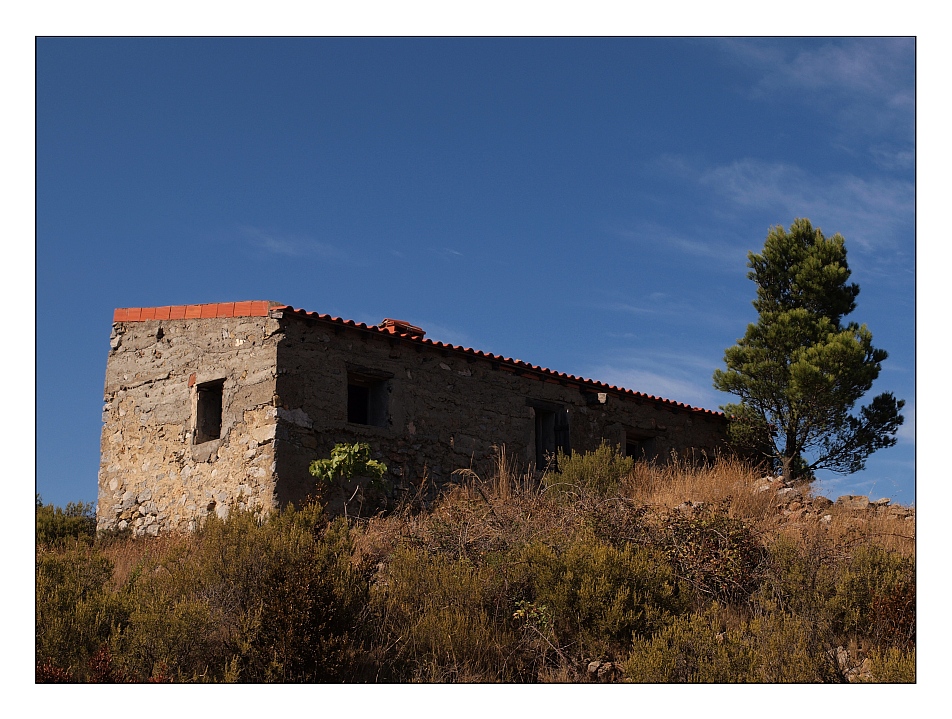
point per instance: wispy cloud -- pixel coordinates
(659, 237)
(687, 310)
(444, 333)
(628, 308)
(907, 431)
(682, 376)
(657, 383)
(866, 84)
(276, 243)
(869, 212)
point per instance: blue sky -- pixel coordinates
(581, 204)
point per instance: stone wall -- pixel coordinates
(153, 476)
(205, 410)
(446, 408)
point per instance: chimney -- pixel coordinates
(402, 328)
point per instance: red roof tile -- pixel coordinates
(261, 308)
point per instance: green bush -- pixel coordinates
(75, 610)
(893, 666)
(442, 621)
(598, 596)
(276, 600)
(697, 649)
(797, 580)
(720, 557)
(53, 524)
(242, 599)
(876, 598)
(600, 471)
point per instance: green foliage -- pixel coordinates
(797, 581)
(600, 471)
(53, 524)
(75, 611)
(718, 556)
(799, 371)
(347, 461)
(893, 666)
(876, 598)
(595, 596)
(699, 649)
(484, 586)
(241, 600)
(278, 599)
(444, 619)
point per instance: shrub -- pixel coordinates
(698, 649)
(893, 666)
(797, 579)
(75, 611)
(347, 462)
(53, 524)
(600, 471)
(598, 596)
(720, 557)
(876, 598)
(442, 621)
(272, 601)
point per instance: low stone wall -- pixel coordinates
(797, 503)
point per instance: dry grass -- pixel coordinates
(129, 554)
(492, 581)
(726, 481)
(888, 531)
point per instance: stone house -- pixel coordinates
(219, 405)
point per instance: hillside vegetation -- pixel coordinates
(606, 571)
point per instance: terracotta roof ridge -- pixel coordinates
(411, 333)
(247, 308)
(508, 360)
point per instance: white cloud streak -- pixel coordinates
(866, 84)
(679, 376)
(658, 236)
(290, 245)
(869, 212)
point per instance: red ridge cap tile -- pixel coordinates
(261, 308)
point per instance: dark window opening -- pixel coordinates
(208, 411)
(639, 446)
(552, 436)
(367, 400)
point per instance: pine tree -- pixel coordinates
(799, 371)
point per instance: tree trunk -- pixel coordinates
(786, 467)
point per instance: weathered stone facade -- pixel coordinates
(213, 406)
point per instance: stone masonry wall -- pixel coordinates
(447, 409)
(285, 379)
(152, 476)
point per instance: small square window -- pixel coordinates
(208, 411)
(367, 400)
